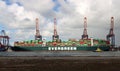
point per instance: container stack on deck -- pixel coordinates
(81, 42)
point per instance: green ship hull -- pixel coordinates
(57, 48)
(70, 45)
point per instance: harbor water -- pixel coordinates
(60, 53)
(60, 61)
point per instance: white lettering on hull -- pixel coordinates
(62, 48)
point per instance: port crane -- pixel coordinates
(111, 36)
(55, 36)
(4, 41)
(37, 36)
(85, 35)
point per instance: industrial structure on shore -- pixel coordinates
(55, 35)
(85, 35)
(37, 36)
(4, 41)
(111, 36)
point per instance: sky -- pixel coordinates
(17, 18)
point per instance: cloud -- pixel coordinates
(98, 14)
(43, 7)
(21, 19)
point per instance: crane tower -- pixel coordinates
(111, 36)
(55, 36)
(85, 35)
(37, 36)
(4, 39)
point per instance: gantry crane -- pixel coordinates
(111, 36)
(37, 36)
(4, 41)
(85, 35)
(55, 36)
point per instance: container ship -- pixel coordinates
(70, 45)
(56, 44)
